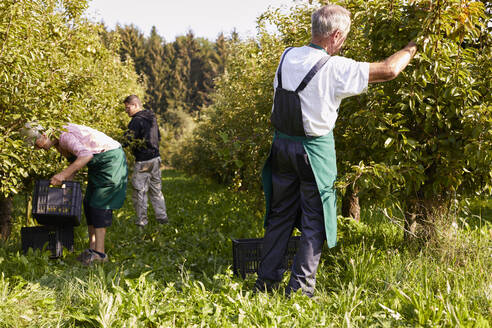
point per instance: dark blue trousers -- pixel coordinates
(295, 200)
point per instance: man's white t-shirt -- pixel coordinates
(339, 78)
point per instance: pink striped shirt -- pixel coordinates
(82, 140)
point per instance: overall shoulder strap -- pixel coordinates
(312, 73)
(279, 72)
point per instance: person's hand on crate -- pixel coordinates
(58, 179)
(70, 171)
(107, 174)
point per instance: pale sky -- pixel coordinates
(175, 17)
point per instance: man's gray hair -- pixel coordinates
(328, 19)
(31, 131)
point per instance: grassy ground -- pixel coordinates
(180, 275)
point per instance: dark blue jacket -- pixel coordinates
(143, 136)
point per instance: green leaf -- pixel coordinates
(388, 142)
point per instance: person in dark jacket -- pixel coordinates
(143, 138)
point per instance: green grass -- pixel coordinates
(180, 275)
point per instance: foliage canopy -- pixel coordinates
(54, 68)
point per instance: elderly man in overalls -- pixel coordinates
(299, 174)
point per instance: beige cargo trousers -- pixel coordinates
(146, 179)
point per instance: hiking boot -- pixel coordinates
(263, 286)
(141, 227)
(84, 254)
(94, 258)
(141, 222)
(163, 221)
(289, 291)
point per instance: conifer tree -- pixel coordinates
(222, 51)
(203, 73)
(179, 84)
(156, 72)
(132, 45)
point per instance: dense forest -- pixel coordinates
(179, 76)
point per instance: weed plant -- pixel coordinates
(180, 275)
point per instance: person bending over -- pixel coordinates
(107, 177)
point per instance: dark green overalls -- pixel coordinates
(108, 174)
(298, 179)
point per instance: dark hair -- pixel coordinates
(133, 99)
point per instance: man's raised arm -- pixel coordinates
(392, 66)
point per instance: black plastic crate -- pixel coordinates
(54, 237)
(246, 255)
(57, 205)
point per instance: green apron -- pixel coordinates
(322, 157)
(108, 174)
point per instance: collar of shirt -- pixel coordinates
(312, 45)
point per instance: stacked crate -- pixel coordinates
(58, 210)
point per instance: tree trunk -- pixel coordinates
(422, 216)
(411, 221)
(5, 217)
(350, 204)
